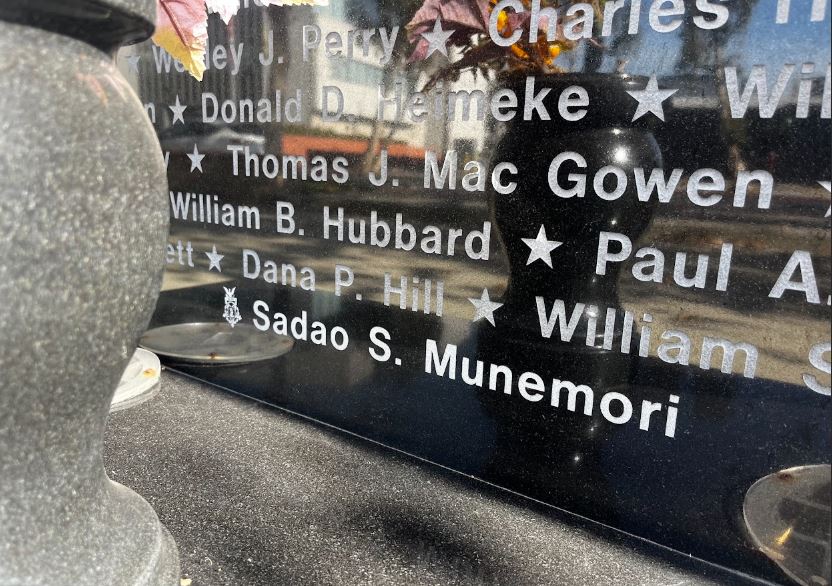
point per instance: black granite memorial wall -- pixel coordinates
(588, 264)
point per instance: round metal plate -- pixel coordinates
(789, 518)
(215, 343)
(139, 382)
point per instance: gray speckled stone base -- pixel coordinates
(256, 496)
(83, 222)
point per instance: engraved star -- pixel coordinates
(650, 99)
(215, 259)
(438, 39)
(196, 160)
(178, 110)
(133, 61)
(541, 248)
(828, 187)
(484, 307)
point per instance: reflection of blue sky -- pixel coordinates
(761, 42)
(650, 52)
(774, 44)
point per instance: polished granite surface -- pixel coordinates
(255, 495)
(432, 251)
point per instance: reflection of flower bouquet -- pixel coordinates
(469, 20)
(182, 26)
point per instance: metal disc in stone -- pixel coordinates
(215, 343)
(789, 516)
(139, 382)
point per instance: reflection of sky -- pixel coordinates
(760, 42)
(798, 41)
(649, 53)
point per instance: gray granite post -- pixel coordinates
(83, 223)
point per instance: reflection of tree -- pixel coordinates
(620, 45)
(705, 51)
(279, 21)
(374, 14)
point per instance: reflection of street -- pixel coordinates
(764, 240)
(763, 243)
(179, 277)
(364, 392)
(463, 278)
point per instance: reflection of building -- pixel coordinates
(698, 109)
(359, 79)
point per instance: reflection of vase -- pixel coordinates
(554, 439)
(605, 136)
(83, 219)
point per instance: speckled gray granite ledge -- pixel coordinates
(255, 496)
